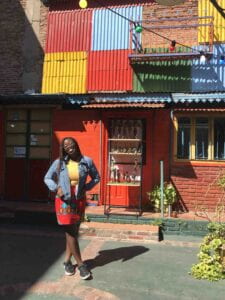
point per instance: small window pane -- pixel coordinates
(16, 152)
(16, 115)
(183, 138)
(38, 152)
(16, 127)
(40, 127)
(16, 139)
(219, 139)
(40, 114)
(201, 140)
(39, 140)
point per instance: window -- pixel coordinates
(184, 133)
(219, 139)
(28, 133)
(200, 138)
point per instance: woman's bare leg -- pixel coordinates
(68, 254)
(72, 245)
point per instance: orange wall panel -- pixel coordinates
(85, 127)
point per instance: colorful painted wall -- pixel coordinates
(87, 50)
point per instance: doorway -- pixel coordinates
(27, 153)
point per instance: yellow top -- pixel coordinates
(73, 171)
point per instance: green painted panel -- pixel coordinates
(162, 76)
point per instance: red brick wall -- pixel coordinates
(197, 186)
(185, 36)
(12, 32)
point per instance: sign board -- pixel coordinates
(19, 152)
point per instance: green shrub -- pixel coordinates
(210, 264)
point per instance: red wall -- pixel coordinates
(109, 71)
(160, 144)
(69, 31)
(157, 145)
(196, 185)
(84, 126)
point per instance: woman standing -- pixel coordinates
(67, 178)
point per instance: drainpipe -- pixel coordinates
(161, 188)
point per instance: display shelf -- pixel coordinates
(124, 153)
(123, 184)
(125, 140)
(125, 156)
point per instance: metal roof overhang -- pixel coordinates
(136, 57)
(118, 100)
(201, 109)
(218, 97)
(123, 105)
(23, 99)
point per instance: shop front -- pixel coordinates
(126, 142)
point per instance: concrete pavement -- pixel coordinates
(32, 257)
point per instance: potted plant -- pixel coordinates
(169, 197)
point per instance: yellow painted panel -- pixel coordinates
(206, 8)
(65, 73)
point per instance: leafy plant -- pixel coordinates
(169, 196)
(221, 181)
(210, 264)
(157, 222)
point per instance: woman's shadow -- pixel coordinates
(107, 256)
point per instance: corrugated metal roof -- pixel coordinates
(200, 109)
(124, 105)
(198, 98)
(134, 98)
(120, 99)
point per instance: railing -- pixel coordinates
(183, 38)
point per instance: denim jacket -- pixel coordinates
(86, 167)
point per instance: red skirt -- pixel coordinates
(69, 213)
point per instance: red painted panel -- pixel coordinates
(161, 144)
(85, 127)
(69, 31)
(124, 195)
(109, 71)
(15, 175)
(37, 189)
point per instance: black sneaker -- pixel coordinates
(69, 268)
(84, 272)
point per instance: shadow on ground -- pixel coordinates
(123, 253)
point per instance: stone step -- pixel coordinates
(120, 232)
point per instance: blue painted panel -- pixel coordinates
(211, 76)
(110, 30)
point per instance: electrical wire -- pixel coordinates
(201, 52)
